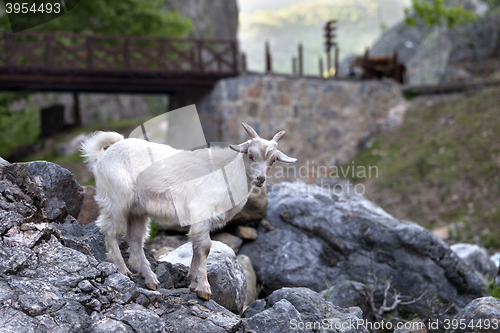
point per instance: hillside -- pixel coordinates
(442, 166)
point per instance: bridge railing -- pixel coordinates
(67, 52)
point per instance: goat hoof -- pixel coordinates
(193, 286)
(152, 286)
(204, 295)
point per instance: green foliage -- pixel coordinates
(154, 230)
(16, 127)
(436, 13)
(328, 293)
(494, 289)
(117, 17)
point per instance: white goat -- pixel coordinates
(131, 188)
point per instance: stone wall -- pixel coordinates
(326, 121)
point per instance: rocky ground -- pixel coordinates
(54, 276)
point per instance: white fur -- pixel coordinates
(137, 179)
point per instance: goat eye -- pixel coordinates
(250, 156)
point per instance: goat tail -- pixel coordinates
(94, 145)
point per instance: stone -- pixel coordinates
(248, 233)
(484, 309)
(345, 294)
(320, 237)
(61, 192)
(232, 241)
(161, 251)
(442, 232)
(90, 210)
(225, 274)
(477, 258)
(71, 147)
(254, 209)
(254, 308)
(278, 318)
(3, 162)
(264, 226)
(59, 280)
(173, 241)
(311, 307)
(251, 292)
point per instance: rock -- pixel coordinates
(230, 240)
(254, 308)
(168, 241)
(480, 310)
(61, 192)
(245, 232)
(90, 210)
(254, 209)
(320, 237)
(264, 226)
(346, 294)
(162, 250)
(3, 162)
(251, 292)
(496, 259)
(51, 279)
(442, 232)
(225, 274)
(278, 318)
(477, 258)
(312, 308)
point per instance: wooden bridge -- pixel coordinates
(99, 63)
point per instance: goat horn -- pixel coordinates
(278, 136)
(250, 131)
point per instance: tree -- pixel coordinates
(436, 13)
(116, 17)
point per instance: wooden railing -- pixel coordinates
(132, 55)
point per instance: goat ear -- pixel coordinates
(250, 131)
(278, 136)
(241, 148)
(286, 159)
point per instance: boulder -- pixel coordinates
(346, 294)
(90, 210)
(232, 241)
(225, 274)
(254, 209)
(161, 251)
(3, 162)
(251, 292)
(478, 312)
(477, 258)
(54, 277)
(320, 236)
(278, 318)
(55, 186)
(248, 233)
(312, 309)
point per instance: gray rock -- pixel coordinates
(314, 313)
(61, 192)
(107, 325)
(320, 237)
(279, 318)
(51, 280)
(477, 258)
(254, 308)
(3, 162)
(479, 310)
(345, 294)
(225, 274)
